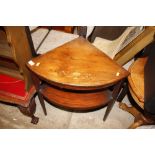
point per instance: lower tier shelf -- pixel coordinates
(76, 100)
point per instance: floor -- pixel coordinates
(11, 117)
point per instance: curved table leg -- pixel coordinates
(30, 110)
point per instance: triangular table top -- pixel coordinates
(77, 64)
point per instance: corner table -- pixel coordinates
(77, 76)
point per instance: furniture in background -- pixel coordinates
(76, 76)
(136, 88)
(120, 43)
(67, 29)
(12, 92)
(16, 86)
(46, 37)
(106, 32)
(15, 50)
(135, 46)
(38, 36)
(112, 47)
(141, 88)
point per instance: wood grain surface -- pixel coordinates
(74, 100)
(77, 64)
(136, 78)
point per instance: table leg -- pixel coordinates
(37, 82)
(115, 95)
(123, 92)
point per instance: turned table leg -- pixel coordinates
(115, 95)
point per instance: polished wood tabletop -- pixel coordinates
(77, 64)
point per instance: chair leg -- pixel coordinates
(30, 110)
(139, 120)
(132, 110)
(136, 124)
